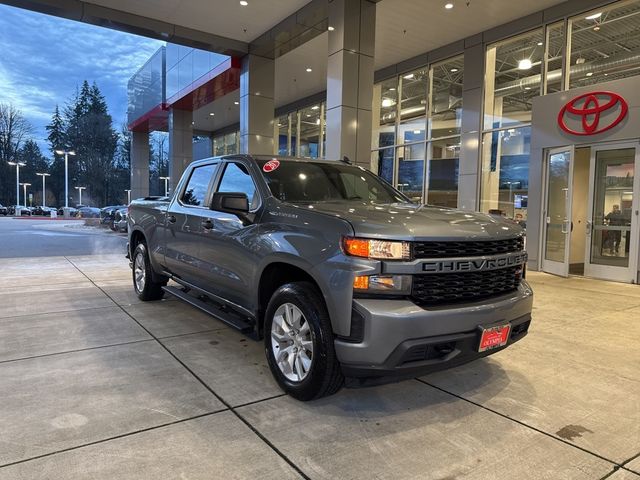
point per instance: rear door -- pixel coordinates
(183, 223)
(227, 253)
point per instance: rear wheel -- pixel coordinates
(146, 288)
(299, 342)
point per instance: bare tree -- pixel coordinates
(14, 128)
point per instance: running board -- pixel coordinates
(217, 312)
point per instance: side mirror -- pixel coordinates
(236, 203)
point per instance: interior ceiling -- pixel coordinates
(225, 18)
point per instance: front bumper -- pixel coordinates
(401, 339)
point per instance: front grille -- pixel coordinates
(474, 248)
(461, 287)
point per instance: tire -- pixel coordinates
(298, 377)
(144, 285)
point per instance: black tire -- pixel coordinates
(324, 376)
(149, 290)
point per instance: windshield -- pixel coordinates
(311, 182)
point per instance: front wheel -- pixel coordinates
(299, 342)
(146, 288)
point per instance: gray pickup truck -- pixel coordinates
(338, 272)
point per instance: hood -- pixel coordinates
(418, 222)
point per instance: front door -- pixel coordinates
(612, 220)
(557, 214)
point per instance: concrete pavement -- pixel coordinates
(95, 384)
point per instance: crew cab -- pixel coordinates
(339, 274)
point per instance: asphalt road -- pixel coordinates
(43, 238)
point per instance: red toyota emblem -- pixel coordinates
(589, 108)
(270, 166)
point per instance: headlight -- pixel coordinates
(377, 249)
(391, 284)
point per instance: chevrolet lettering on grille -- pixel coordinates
(475, 265)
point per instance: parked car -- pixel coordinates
(340, 274)
(120, 220)
(88, 212)
(72, 211)
(3, 210)
(24, 211)
(42, 210)
(107, 214)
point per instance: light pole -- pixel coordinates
(24, 186)
(80, 193)
(44, 177)
(166, 183)
(66, 154)
(128, 196)
(18, 165)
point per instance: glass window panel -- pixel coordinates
(283, 135)
(385, 99)
(309, 132)
(382, 162)
(200, 63)
(411, 170)
(554, 57)
(605, 44)
(446, 97)
(196, 190)
(218, 146)
(512, 79)
(413, 103)
(505, 172)
(443, 172)
(185, 71)
(231, 145)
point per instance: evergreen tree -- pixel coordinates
(31, 155)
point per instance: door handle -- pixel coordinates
(171, 219)
(207, 224)
(589, 227)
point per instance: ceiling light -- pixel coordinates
(317, 121)
(331, 29)
(527, 88)
(539, 44)
(594, 16)
(524, 64)
(236, 103)
(448, 6)
(211, 114)
(244, 3)
(417, 132)
(387, 102)
(454, 70)
(580, 60)
(596, 28)
(308, 115)
(315, 107)
(392, 89)
(408, 77)
(309, 70)
(589, 74)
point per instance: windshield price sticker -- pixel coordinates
(270, 166)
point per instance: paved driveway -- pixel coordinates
(95, 384)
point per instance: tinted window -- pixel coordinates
(236, 178)
(301, 182)
(198, 184)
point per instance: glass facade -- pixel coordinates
(226, 144)
(146, 89)
(185, 65)
(416, 132)
(301, 133)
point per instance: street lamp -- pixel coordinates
(44, 176)
(18, 165)
(166, 189)
(24, 186)
(66, 154)
(128, 196)
(80, 193)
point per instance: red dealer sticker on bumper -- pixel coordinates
(270, 166)
(494, 337)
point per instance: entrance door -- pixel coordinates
(612, 220)
(557, 214)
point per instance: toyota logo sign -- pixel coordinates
(589, 110)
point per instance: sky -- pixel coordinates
(43, 59)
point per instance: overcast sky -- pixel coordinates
(43, 59)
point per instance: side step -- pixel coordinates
(224, 316)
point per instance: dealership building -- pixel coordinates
(528, 110)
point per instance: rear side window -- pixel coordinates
(198, 185)
(236, 178)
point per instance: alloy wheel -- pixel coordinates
(292, 342)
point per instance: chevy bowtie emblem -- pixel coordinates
(589, 109)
